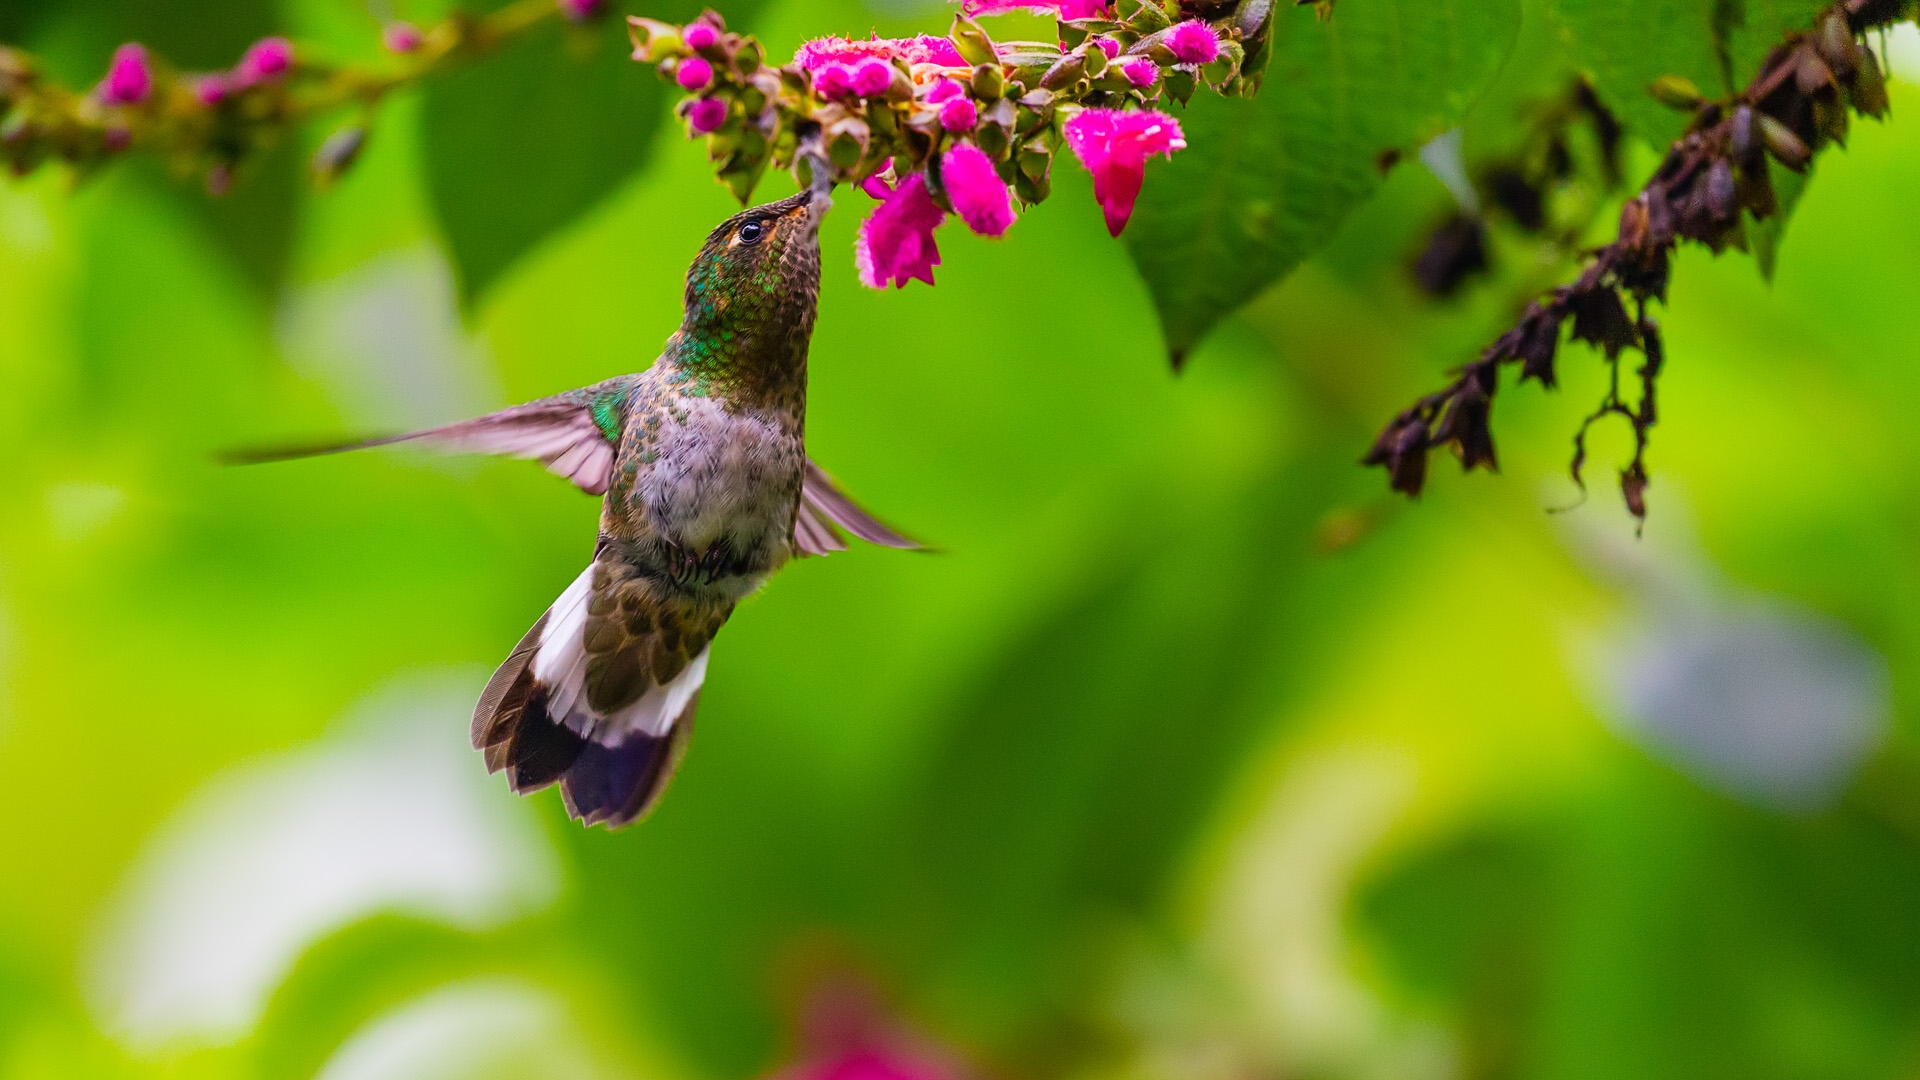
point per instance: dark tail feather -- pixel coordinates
(512, 728)
(616, 785)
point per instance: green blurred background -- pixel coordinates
(1191, 754)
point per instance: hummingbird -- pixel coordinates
(700, 461)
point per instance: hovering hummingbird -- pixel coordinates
(707, 488)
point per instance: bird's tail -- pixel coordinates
(599, 696)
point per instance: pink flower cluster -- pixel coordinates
(843, 67)
(896, 242)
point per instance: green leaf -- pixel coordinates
(525, 141)
(1624, 45)
(1265, 182)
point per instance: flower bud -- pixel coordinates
(1067, 71)
(974, 45)
(129, 78)
(1108, 46)
(652, 40)
(988, 83)
(871, 78)
(402, 37)
(1141, 72)
(706, 115)
(211, 90)
(700, 36)
(268, 58)
(693, 73)
(958, 114)
(1193, 42)
(1676, 92)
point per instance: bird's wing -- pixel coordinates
(823, 506)
(564, 432)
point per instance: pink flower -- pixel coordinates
(1108, 46)
(1065, 9)
(581, 10)
(129, 77)
(268, 58)
(700, 36)
(1114, 146)
(959, 114)
(693, 73)
(871, 78)
(976, 191)
(1193, 42)
(402, 37)
(896, 241)
(211, 90)
(1141, 72)
(706, 115)
(925, 49)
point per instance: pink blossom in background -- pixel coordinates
(1193, 42)
(706, 115)
(871, 78)
(402, 37)
(870, 1063)
(693, 73)
(129, 77)
(581, 10)
(1065, 9)
(1114, 146)
(700, 36)
(959, 115)
(211, 89)
(1140, 72)
(268, 58)
(976, 191)
(895, 243)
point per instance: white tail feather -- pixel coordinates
(561, 667)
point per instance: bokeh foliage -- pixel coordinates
(1190, 747)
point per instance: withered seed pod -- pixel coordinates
(1783, 144)
(1722, 197)
(1740, 134)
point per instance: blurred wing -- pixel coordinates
(823, 506)
(559, 431)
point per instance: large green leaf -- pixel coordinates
(1265, 182)
(525, 141)
(1624, 45)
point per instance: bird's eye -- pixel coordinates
(751, 232)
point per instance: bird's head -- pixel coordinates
(759, 261)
